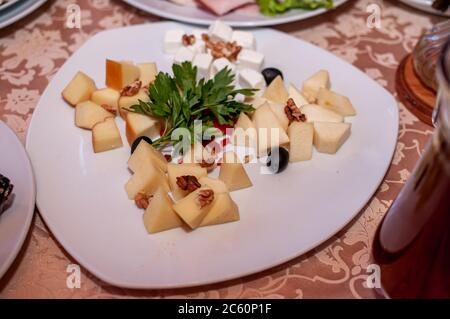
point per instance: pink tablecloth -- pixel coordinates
(32, 50)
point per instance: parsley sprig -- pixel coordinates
(181, 99)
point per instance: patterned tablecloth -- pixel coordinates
(31, 52)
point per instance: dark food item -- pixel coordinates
(441, 5)
(278, 159)
(270, 74)
(138, 140)
(5, 191)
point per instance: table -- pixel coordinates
(32, 50)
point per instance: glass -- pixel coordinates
(427, 52)
(412, 243)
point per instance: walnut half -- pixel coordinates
(142, 200)
(205, 197)
(188, 183)
(131, 89)
(293, 113)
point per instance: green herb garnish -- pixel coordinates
(273, 7)
(181, 99)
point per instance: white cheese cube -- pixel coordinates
(198, 33)
(219, 31)
(183, 54)
(250, 59)
(198, 47)
(173, 41)
(202, 61)
(250, 78)
(220, 64)
(244, 39)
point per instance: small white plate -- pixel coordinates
(15, 220)
(239, 18)
(7, 4)
(82, 198)
(425, 5)
(18, 10)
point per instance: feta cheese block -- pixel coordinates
(203, 62)
(251, 78)
(245, 39)
(220, 64)
(219, 31)
(173, 40)
(183, 54)
(250, 59)
(301, 141)
(329, 137)
(199, 45)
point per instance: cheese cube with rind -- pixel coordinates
(329, 137)
(177, 170)
(311, 86)
(148, 72)
(106, 136)
(106, 96)
(87, 114)
(137, 125)
(276, 92)
(79, 89)
(126, 102)
(189, 209)
(144, 155)
(301, 141)
(270, 132)
(159, 215)
(233, 173)
(146, 180)
(335, 102)
(223, 210)
(317, 113)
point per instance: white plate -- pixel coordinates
(239, 18)
(18, 11)
(7, 4)
(82, 199)
(425, 5)
(15, 221)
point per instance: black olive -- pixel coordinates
(138, 140)
(278, 159)
(270, 74)
(6, 189)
